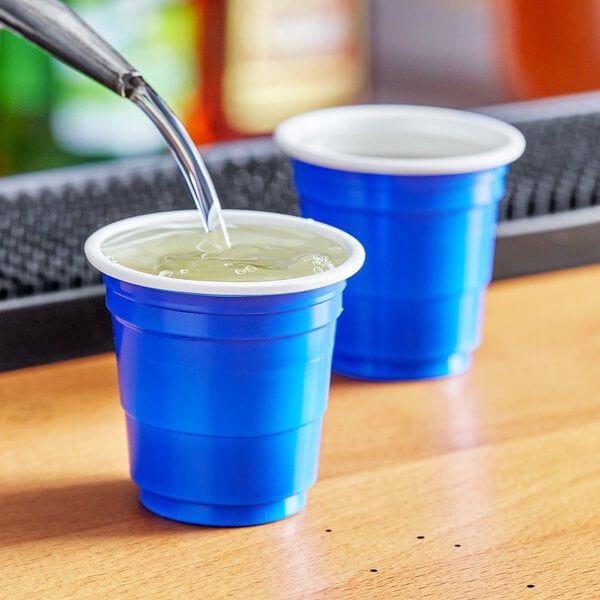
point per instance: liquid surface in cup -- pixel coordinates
(257, 253)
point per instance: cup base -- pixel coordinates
(390, 370)
(219, 515)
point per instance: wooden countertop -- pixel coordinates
(485, 485)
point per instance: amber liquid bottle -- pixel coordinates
(265, 60)
(550, 48)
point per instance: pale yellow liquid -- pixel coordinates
(257, 253)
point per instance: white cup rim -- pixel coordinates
(94, 254)
(320, 137)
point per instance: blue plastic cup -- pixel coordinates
(224, 384)
(420, 188)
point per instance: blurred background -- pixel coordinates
(233, 69)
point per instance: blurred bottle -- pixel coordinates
(265, 60)
(550, 48)
(25, 140)
(158, 37)
(228, 68)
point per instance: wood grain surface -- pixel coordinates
(484, 485)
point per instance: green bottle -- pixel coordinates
(26, 143)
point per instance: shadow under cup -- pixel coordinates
(419, 187)
(224, 384)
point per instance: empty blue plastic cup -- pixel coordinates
(419, 187)
(224, 384)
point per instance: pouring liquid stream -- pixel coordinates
(188, 160)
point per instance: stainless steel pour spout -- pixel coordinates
(54, 27)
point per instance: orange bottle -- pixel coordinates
(265, 60)
(551, 47)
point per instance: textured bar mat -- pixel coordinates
(51, 300)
